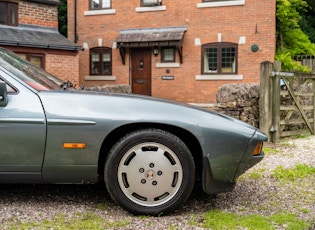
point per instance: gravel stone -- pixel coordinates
(264, 196)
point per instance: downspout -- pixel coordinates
(75, 22)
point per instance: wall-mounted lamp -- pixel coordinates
(254, 48)
(155, 50)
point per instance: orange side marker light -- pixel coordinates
(74, 145)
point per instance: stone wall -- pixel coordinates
(240, 101)
(111, 88)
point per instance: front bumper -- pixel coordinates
(247, 160)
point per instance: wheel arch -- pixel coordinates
(187, 137)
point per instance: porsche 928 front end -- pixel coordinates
(230, 148)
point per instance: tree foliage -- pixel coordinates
(308, 21)
(291, 40)
(62, 18)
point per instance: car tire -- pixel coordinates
(149, 172)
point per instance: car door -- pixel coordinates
(22, 133)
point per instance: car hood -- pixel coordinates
(123, 109)
(108, 102)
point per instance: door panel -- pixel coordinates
(141, 71)
(22, 133)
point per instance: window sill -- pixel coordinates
(222, 3)
(100, 78)
(167, 65)
(99, 12)
(151, 8)
(218, 77)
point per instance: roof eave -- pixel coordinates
(42, 46)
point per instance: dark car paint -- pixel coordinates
(34, 125)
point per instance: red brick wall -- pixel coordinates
(60, 63)
(38, 14)
(64, 65)
(255, 20)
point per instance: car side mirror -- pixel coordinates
(3, 94)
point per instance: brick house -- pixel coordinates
(30, 29)
(175, 49)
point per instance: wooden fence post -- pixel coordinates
(265, 99)
(276, 132)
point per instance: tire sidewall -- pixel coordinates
(142, 136)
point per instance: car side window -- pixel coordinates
(10, 89)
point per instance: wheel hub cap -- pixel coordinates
(150, 174)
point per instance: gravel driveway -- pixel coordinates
(23, 203)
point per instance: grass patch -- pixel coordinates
(101, 207)
(256, 174)
(291, 174)
(302, 136)
(287, 144)
(289, 221)
(217, 219)
(270, 151)
(303, 210)
(80, 221)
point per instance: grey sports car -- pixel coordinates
(150, 153)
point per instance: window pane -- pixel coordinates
(95, 4)
(168, 54)
(95, 63)
(105, 3)
(150, 2)
(100, 4)
(12, 15)
(106, 57)
(22, 55)
(3, 10)
(10, 89)
(95, 57)
(106, 68)
(211, 60)
(106, 63)
(37, 61)
(228, 60)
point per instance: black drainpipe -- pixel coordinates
(75, 22)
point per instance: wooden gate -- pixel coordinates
(287, 103)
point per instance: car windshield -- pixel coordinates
(32, 75)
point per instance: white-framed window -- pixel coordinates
(99, 4)
(150, 2)
(220, 3)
